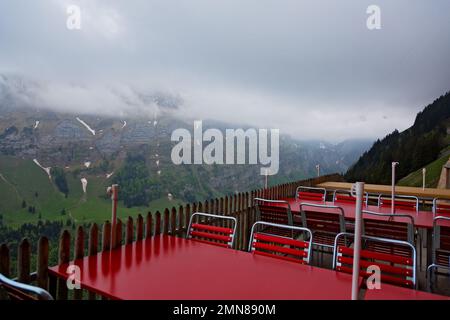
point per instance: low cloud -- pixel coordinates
(310, 68)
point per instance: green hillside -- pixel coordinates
(432, 175)
(23, 185)
(413, 148)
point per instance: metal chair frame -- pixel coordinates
(382, 240)
(27, 289)
(283, 226)
(215, 216)
(400, 197)
(323, 191)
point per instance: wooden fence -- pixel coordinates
(172, 221)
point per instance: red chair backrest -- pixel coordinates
(324, 221)
(442, 209)
(401, 204)
(219, 236)
(402, 228)
(308, 195)
(394, 269)
(280, 247)
(344, 198)
(274, 213)
(441, 244)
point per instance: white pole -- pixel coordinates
(357, 243)
(266, 180)
(114, 191)
(318, 170)
(424, 172)
(394, 164)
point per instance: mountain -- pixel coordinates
(57, 165)
(433, 173)
(413, 148)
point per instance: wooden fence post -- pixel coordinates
(79, 254)
(180, 221)
(64, 257)
(106, 241)
(149, 226)
(129, 231)
(5, 260)
(188, 216)
(157, 223)
(4, 266)
(173, 221)
(23, 261)
(93, 250)
(139, 228)
(42, 263)
(166, 222)
(118, 233)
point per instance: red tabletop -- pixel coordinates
(166, 267)
(390, 292)
(422, 219)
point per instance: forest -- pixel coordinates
(413, 148)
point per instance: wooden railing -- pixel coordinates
(172, 221)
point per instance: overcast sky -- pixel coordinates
(310, 68)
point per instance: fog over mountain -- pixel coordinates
(310, 68)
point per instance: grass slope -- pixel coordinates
(22, 180)
(434, 169)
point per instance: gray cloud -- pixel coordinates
(310, 68)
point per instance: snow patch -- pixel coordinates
(84, 184)
(87, 126)
(47, 170)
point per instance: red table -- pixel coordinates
(389, 292)
(422, 219)
(166, 267)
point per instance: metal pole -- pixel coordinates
(424, 172)
(357, 244)
(266, 182)
(318, 170)
(114, 191)
(394, 164)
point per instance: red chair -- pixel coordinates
(208, 233)
(20, 291)
(441, 207)
(325, 222)
(440, 248)
(401, 202)
(397, 270)
(274, 211)
(391, 226)
(345, 196)
(310, 194)
(273, 245)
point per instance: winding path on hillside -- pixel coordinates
(12, 185)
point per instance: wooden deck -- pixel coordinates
(428, 193)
